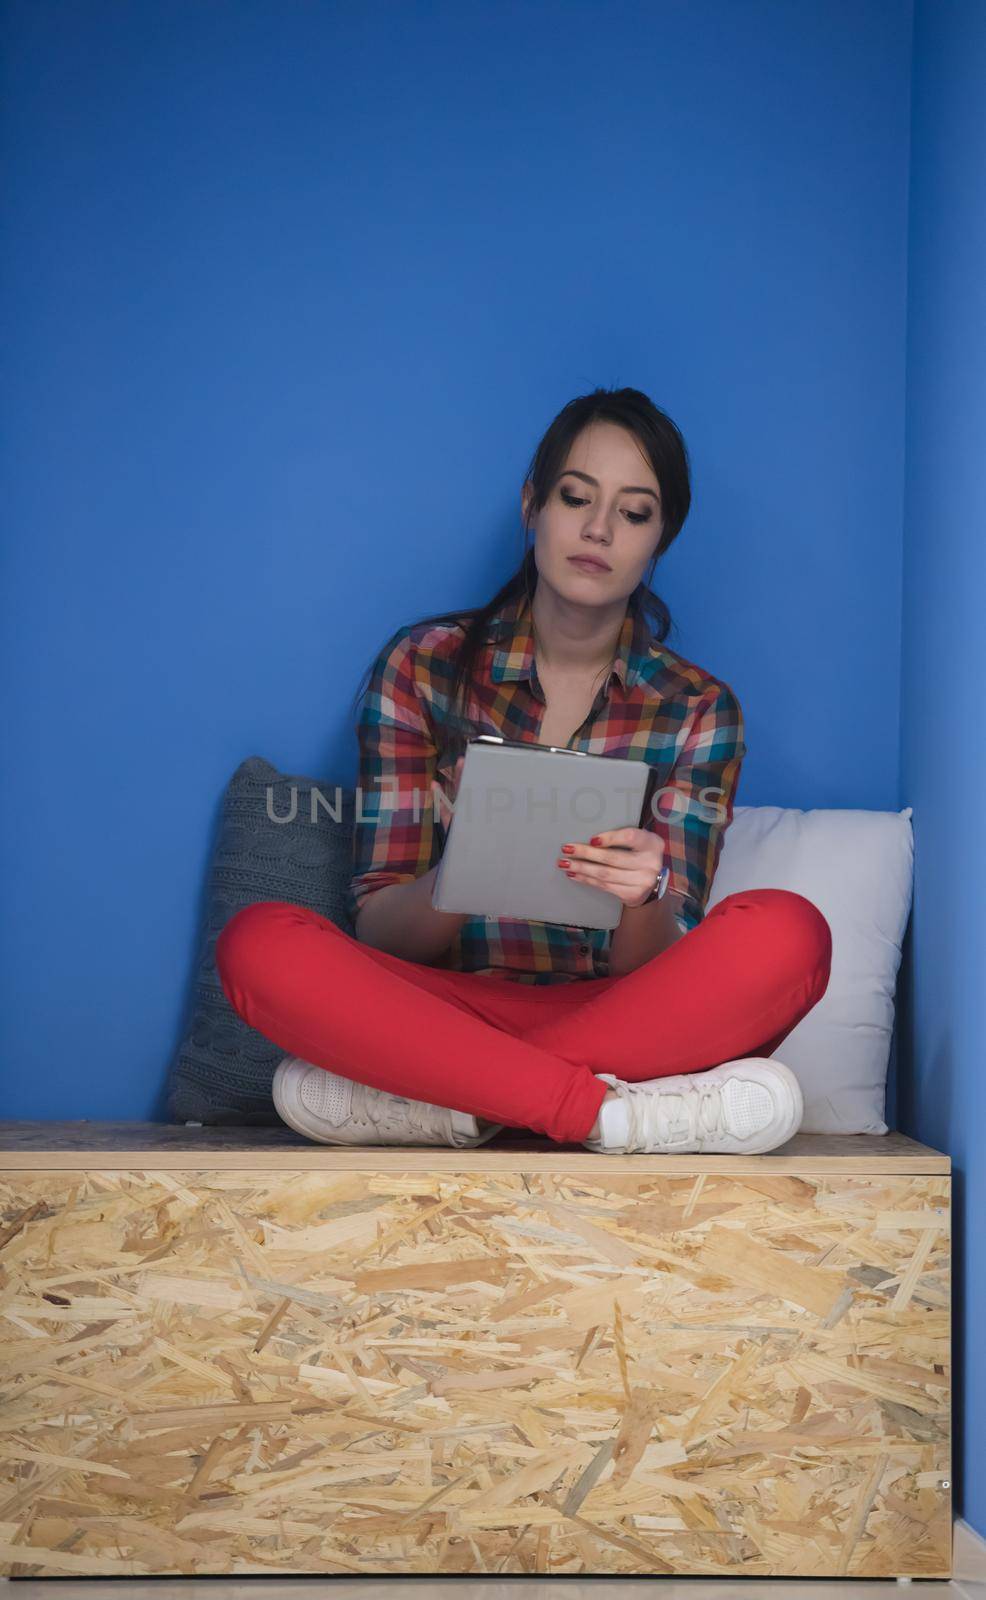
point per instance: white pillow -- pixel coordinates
(857, 868)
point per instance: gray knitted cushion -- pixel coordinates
(223, 1069)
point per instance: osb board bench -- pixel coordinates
(236, 1351)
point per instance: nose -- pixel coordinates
(598, 525)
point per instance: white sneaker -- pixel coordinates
(336, 1110)
(739, 1108)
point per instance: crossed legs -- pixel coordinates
(522, 1054)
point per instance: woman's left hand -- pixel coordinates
(626, 862)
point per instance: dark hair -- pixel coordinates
(666, 451)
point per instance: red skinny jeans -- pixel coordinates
(524, 1054)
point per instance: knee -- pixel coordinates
(795, 930)
(244, 943)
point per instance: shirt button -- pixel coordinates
(583, 949)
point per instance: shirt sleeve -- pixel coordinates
(691, 810)
(393, 823)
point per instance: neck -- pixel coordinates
(576, 641)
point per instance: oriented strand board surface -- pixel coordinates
(490, 1372)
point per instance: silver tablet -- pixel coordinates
(516, 805)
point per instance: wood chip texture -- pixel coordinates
(505, 1369)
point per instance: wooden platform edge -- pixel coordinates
(144, 1146)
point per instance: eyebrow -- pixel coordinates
(628, 488)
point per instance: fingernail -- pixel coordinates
(567, 849)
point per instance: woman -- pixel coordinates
(437, 1028)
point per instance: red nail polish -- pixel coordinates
(595, 840)
(567, 849)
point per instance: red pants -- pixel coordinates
(524, 1054)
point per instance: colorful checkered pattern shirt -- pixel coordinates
(655, 707)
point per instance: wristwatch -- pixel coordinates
(657, 893)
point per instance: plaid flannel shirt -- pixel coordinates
(655, 707)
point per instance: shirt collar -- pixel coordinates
(510, 630)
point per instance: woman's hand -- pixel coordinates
(626, 862)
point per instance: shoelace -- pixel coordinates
(419, 1117)
(650, 1116)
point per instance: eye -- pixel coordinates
(631, 516)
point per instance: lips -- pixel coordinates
(589, 564)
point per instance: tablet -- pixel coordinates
(516, 805)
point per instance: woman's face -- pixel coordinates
(606, 503)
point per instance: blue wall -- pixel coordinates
(943, 731)
(290, 293)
